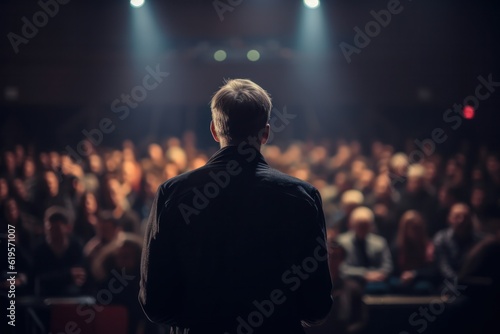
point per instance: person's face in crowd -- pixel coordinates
(52, 183)
(414, 184)
(171, 170)
(302, 173)
(445, 197)
(114, 161)
(318, 155)
(366, 179)
(355, 148)
(106, 230)
(382, 187)
(78, 186)
(20, 154)
(357, 168)
(4, 189)
(115, 191)
(90, 203)
(12, 211)
(381, 210)
(128, 154)
(66, 165)
(44, 160)
(361, 228)
(55, 160)
(199, 161)
(10, 161)
(492, 165)
(377, 148)
(451, 167)
(56, 232)
(460, 220)
(477, 198)
(131, 173)
(95, 164)
(29, 168)
(477, 175)
(430, 171)
(341, 180)
(155, 153)
(20, 189)
(414, 230)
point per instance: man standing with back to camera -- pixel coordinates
(236, 246)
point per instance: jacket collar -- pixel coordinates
(243, 154)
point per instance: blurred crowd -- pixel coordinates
(394, 225)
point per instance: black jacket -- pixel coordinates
(235, 247)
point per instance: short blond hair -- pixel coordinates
(240, 109)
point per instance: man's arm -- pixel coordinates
(159, 284)
(315, 293)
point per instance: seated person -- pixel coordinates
(368, 258)
(122, 259)
(413, 254)
(108, 230)
(453, 244)
(58, 262)
(350, 200)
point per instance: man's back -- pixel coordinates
(236, 247)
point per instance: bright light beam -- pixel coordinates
(311, 3)
(136, 3)
(147, 39)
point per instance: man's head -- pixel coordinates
(460, 220)
(361, 222)
(57, 225)
(107, 227)
(350, 200)
(240, 110)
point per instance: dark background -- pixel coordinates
(428, 58)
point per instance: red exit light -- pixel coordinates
(469, 112)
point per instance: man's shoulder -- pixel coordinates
(267, 177)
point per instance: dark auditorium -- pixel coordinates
(250, 167)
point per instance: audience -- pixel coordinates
(443, 203)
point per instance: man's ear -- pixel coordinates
(265, 134)
(213, 132)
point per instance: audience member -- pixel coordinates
(413, 256)
(368, 259)
(453, 244)
(351, 199)
(59, 268)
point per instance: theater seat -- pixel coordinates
(72, 318)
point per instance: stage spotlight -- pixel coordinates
(253, 55)
(311, 3)
(136, 3)
(220, 55)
